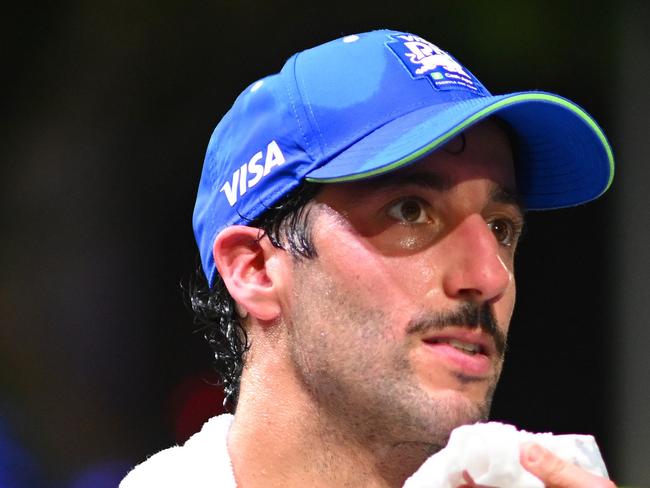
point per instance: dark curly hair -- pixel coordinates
(286, 223)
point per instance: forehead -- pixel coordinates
(482, 154)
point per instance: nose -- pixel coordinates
(475, 270)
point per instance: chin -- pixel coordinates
(458, 407)
(446, 410)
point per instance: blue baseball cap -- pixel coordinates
(370, 103)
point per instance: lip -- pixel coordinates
(478, 365)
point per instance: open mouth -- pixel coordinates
(469, 348)
(465, 352)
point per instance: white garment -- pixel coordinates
(202, 462)
(489, 452)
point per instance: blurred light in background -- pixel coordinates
(193, 402)
(18, 468)
(106, 474)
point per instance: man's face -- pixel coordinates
(398, 326)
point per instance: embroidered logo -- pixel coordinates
(424, 59)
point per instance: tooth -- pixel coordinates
(463, 346)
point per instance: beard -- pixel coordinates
(362, 377)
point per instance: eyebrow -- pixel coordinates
(508, 196)
(427, 180)
(441, 183)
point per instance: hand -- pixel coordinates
(558, 473)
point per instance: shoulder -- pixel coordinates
(203, 461)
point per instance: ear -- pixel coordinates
(242, 259)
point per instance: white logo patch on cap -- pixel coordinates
(424, 59)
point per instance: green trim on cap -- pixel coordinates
(477, 116)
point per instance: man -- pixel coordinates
(357, 219)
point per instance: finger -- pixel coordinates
(470, 483)
(556, 472)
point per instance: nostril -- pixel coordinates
(477, 295)
(478, 278)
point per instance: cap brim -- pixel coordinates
(563, 157)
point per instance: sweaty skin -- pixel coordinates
(351, 379)
(379, 276)
(364, 358)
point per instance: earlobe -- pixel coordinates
(241, 260)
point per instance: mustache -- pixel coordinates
(469, 315)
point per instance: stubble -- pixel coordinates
(360, 376)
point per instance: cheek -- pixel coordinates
(398, 283)
(357, 270)
(506, 305)
(372, 278)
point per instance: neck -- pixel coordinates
(281, 438)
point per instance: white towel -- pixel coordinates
(202, 462)
(489, 452)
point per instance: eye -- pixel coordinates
(505, 231)
(409, 210)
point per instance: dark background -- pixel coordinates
(107, 108)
